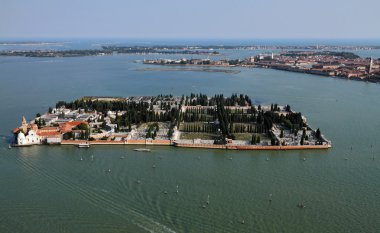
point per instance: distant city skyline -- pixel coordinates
(269, 19)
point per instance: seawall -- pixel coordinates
(127, 142)
(252, 147)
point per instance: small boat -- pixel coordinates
(92, 157)
(83, 145)
(81, 158)
(9, 146)
(142, 150)
(177, 189)
(208, 200)
(301, 205)
(154, 166)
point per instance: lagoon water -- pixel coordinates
(48, 189)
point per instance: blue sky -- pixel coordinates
(190, 19)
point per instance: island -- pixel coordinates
(194, 121)
(111, 50)
(326, 63)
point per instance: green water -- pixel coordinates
(49, 189)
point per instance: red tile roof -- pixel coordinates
(49, 129)
(39, 133)
(68, 126)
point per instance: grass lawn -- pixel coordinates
(205, 136)
(243, 136)
(248, 136)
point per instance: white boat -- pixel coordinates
(9, 146)
(83, 145)
(301, 205)
(142, 150)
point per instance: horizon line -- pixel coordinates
(188, 38)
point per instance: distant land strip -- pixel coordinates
(228, 71)
(209, 50)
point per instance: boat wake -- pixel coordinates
(100, 200)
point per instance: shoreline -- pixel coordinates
(182, 145)
(311, 72)
(234, 123)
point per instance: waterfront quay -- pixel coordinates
(326, 63)
(194, 121)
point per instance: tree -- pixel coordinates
(82, 126)
(295, 132)
(154, 134)
(170, 133)
(87, 133)
(287, 108)
(273, 142)
(68, 136)
(253, 140)
(318, 134)
(104, 124)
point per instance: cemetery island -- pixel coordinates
(194, 121)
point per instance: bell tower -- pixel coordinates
(370, 66)
(24, 125)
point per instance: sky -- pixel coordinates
(272, 19)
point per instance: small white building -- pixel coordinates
(54, 139)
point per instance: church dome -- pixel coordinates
(21, 136)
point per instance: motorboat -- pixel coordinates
(142, 150)
(83, 145)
